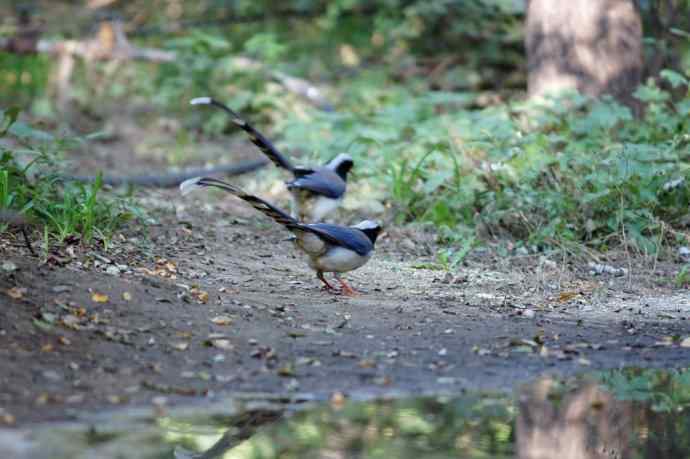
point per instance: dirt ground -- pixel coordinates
(210, 300)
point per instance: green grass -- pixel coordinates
(574, 173)
(65, 209)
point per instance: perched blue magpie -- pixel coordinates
(330, 248)
(317, 191)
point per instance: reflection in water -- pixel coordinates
(631, 414)
(417, 428)
(585, 423)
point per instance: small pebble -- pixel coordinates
(9, 266)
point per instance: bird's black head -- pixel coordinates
(341, 165)
(370, 228)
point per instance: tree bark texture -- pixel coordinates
(592, 46)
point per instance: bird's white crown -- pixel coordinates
(341, 158)
(367, 225)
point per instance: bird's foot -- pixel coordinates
(346, 290)
(349, 291)
(326, 285)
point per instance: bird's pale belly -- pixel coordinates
(339, 260)
(311, 243)
(313, 209)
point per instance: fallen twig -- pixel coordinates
(171, 180)
(16, 219)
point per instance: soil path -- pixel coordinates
(211, 301)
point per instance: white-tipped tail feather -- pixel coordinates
(235, 117)
(200, 101)
(190, 185)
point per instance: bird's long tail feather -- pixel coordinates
(255, 136)
(259, 204)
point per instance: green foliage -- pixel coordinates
(32, 187)
(664, 391)
(407, 428)
(265, 46)
(575, 171)
(193, 71)
(451, 258)
(22, 78)
(683, 277)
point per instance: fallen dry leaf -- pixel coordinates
(64, 341)
(286, 371)
(100, 298)
(164, 268)
(70, 321)
(200, 295)
(366, 363)
(180, 346)
(224, 344)
(222, 320)
(16, 292)
(564, 297)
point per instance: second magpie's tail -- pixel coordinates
(255, 136)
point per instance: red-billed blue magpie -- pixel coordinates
(316, 191)
(330, 248)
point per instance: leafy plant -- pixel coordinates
(666, 391)
(34, 189)
(574, 172)
(450, 258)
(683, 277)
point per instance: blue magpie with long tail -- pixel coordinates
(316, 191)
(330, 248)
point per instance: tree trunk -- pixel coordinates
(588, 423)
(593, 46)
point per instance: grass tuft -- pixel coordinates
(33, 188)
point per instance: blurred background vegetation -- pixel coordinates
(427, 96)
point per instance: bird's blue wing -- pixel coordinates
(350, 238)
(301, 171)
(321, 181)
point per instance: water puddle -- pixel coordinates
(620, 414)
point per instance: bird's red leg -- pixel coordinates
(326, 285)
(346, 289)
